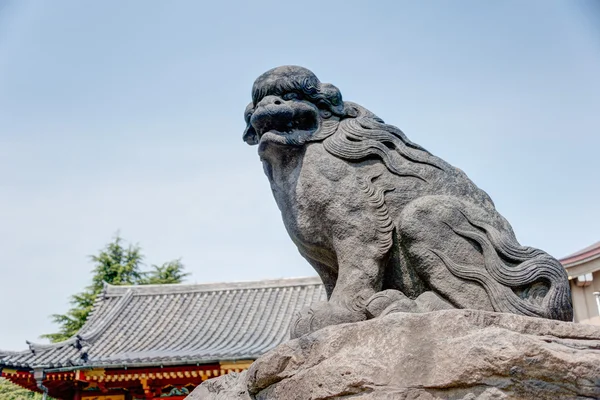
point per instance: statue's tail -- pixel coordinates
(518, 279)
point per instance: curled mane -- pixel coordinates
(366, 135)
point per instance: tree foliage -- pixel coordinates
(10, 391)
(117, 263)
(169, 272)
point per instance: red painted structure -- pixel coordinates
(161, 341)
(132, 383)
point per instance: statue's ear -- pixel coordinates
(250, 135)
(350, 111)
(353, 110)
(333, 98)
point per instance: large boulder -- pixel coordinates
(450, 354)
(227, 387)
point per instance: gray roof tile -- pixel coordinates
(178, 324)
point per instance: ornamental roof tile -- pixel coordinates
(584, 255)
(178, 324)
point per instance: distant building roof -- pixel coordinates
(582, 256)
(5, 353)
(177, 324)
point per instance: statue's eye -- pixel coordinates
(322, 104)
(248, 116)
(290, 96)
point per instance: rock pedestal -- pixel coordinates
(450, 354)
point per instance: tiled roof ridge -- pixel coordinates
(100, 298)
(587, 254)
(203, 327)
(6, 353)
(163, 289)
(104, 323)
(78, 340)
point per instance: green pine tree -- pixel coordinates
(117, 264)
(169, 272)
(10, 391)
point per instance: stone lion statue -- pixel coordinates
(388, 226)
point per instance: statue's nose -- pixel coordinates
(270, 101)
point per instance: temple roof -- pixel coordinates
(585, 255)
(148, 325)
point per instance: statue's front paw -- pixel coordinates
(320, 315)
(392, 301)
(389, 301)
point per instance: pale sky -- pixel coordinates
(128, 115)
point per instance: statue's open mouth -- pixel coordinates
(284, 120)
(291, 127)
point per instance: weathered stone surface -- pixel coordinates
(227, 387)
(449, 354)
(444, 354)
(388, 226)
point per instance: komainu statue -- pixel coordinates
(388, 226)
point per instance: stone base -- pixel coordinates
(450, 354)
(227, 387)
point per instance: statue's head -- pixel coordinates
(290, 106)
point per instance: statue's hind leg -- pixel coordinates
(423, 230)
(468, 255)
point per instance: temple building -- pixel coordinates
(161, 341)
(583, 268)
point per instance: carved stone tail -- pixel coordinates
(518, 279)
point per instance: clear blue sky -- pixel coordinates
(128, 115)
